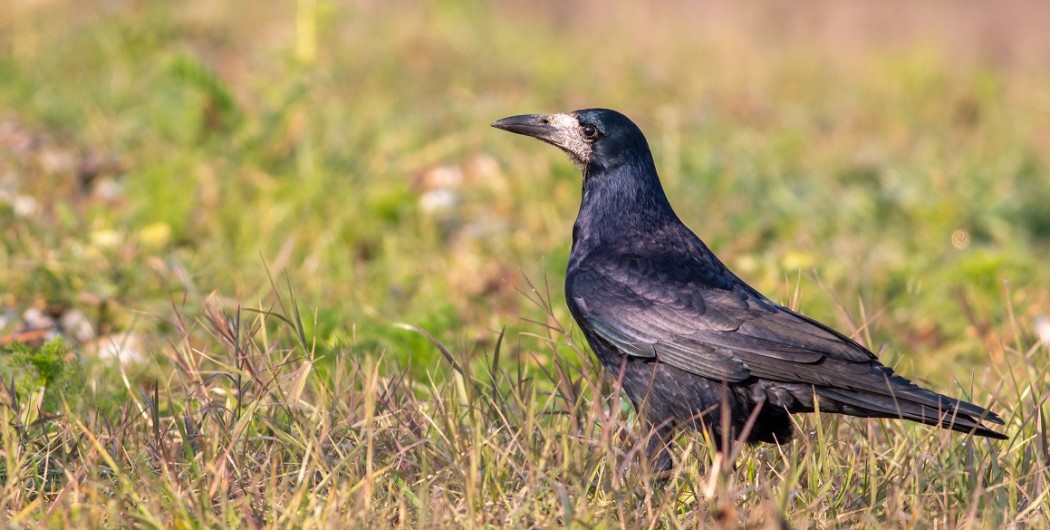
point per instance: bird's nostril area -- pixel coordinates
(545, 121)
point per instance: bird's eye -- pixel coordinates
(590, 132)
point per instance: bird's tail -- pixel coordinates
(905, 400)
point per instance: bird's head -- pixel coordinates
(593, 138)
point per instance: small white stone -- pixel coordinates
(125, 348)
(76, 325)
(1042, 329)
(108, 189)
(36, 319)
(438, 200)
(8, 317)
(24, 205)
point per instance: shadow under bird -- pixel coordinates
(692, 344)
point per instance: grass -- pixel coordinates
(346, 287)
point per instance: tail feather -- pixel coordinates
(923, 406)
(902, 389)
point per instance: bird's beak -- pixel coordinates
(559, 130)
(539, 126)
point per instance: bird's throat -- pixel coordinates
(623, 202)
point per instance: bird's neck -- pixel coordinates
(620, 204)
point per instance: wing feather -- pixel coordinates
(709, 325)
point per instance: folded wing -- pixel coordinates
(712, 324)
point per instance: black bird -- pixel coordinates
(693, 345)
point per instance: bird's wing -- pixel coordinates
(694, 314)
(687, 310)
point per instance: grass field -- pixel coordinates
(338, 291)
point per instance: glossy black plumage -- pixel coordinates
(687, 336)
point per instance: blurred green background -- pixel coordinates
(869, 162)
(881, 165)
